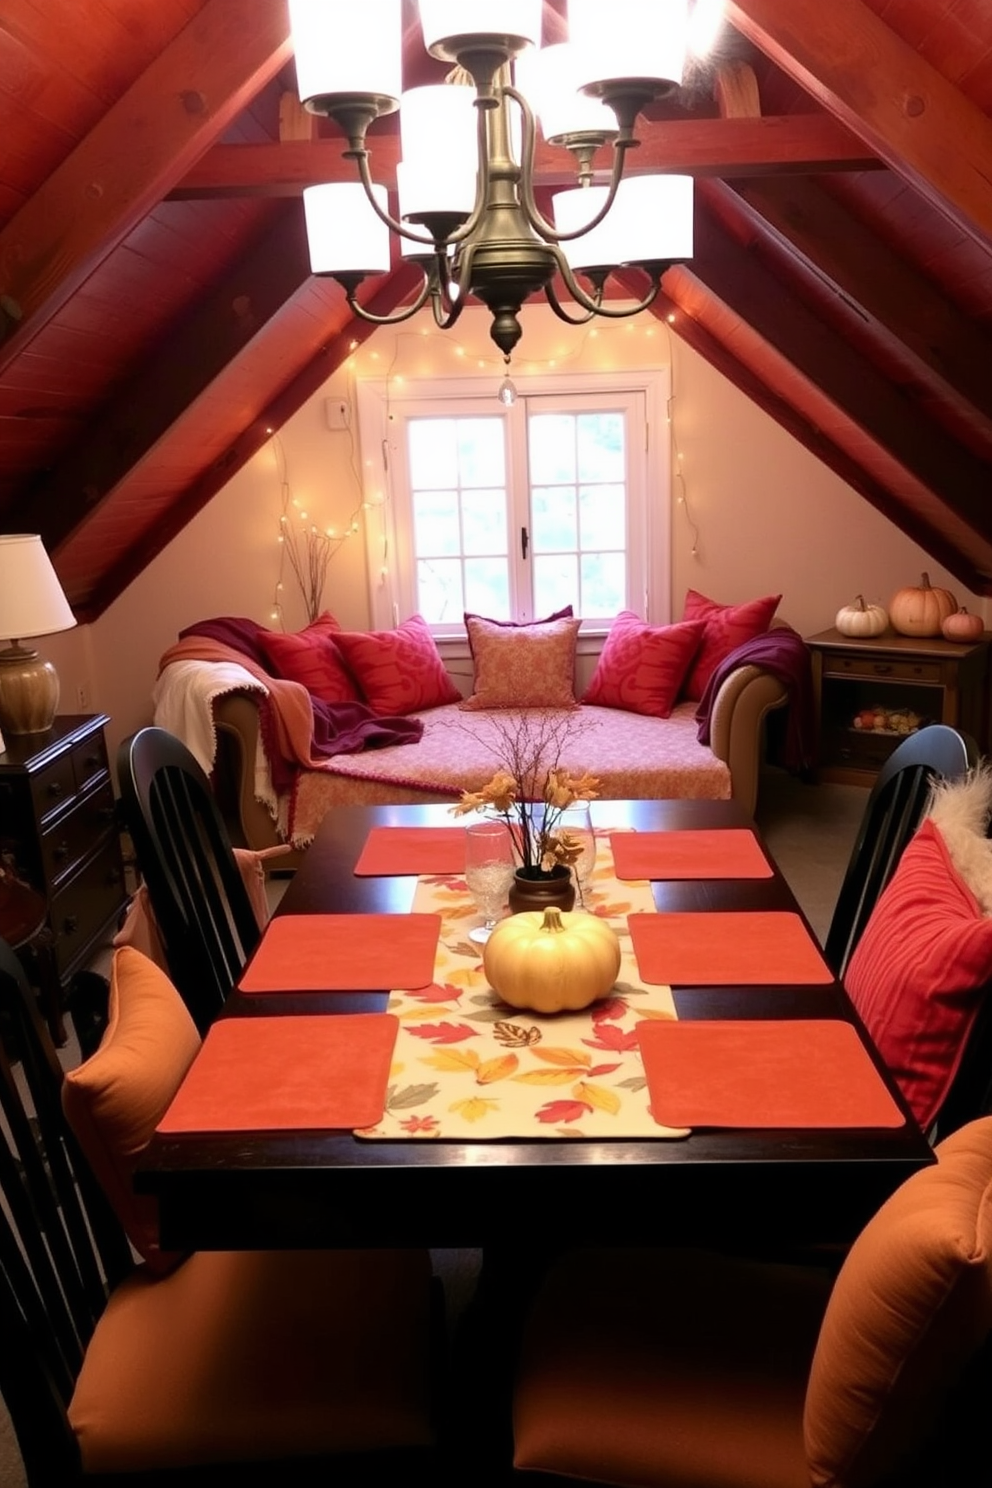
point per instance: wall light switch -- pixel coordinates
(338, 413)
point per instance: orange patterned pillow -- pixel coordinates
(311, 658)
(641, 667)
(727, 627)
(399, 671)
(525, 666)
(115, 1100)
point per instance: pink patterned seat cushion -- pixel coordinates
(641, 667)
(522, 666)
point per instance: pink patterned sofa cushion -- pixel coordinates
(522, 666)
(398, 671)
(641, 667)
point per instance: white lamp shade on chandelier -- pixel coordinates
(651, 216)
(32, 603)
(467, 207)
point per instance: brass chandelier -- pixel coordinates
(468, 213)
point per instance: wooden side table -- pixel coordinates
(58, 834)
(936, 680)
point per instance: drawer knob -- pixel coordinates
(882, 668)
(55, 787)
(93, 761)
(70, 924)
(60, 852)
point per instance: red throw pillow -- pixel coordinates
(399, 671)
(727, 627)
(915, 973)
(311, 658)
(641, 667)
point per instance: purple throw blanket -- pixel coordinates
(784, 653)
(338, 728)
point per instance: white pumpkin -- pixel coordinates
(861, 619)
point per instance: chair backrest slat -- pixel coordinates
(60, 1248)
(202, 909)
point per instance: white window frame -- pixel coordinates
(382, 409)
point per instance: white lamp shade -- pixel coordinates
(629, 39)
(440, 159)
(548, 77)
(650, 221)
(343, 232)
(442, 20)
(347, 48)
(31, 599)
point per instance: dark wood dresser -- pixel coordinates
(58, 832)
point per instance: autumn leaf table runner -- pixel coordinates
(465, 1066)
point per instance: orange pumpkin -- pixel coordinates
(920, 611)
(961, 626)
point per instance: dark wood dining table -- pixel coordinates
(292, 1189)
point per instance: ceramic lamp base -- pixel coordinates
(29, 691)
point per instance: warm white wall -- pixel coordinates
(769, 516)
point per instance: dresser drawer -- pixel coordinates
(53, 787)
(884, 667)
(72, 835)
(84, 904)
(89, 760)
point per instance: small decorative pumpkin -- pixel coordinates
(551, 960)
(860, 619)
(962, 626)
(920, 611)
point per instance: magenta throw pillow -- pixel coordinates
(399, 671)
(916, 972)
(311, 657)
(727, 627)
(642, 667)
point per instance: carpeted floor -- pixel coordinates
(809, 831)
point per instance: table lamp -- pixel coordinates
(31, 604)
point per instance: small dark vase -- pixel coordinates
(535, 889)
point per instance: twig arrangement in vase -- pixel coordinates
(531, 791)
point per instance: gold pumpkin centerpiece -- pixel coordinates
(551, 962)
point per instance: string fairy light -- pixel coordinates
(307, 548)
(678, 474)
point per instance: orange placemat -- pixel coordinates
(733, 853)
(266, 1074)
(343, 953)
(791, 1073)
(412, 850)
(726, 948)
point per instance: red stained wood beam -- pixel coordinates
(132, 158)
(920, 124)
(952, 352)
(397, 289)
(702, 147)
(172, 377)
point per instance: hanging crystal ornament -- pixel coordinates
(507, 393)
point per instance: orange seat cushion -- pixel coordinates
(114, 1100)
(668, 1367)
(258, 1355)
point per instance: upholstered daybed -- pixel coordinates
(240, 711)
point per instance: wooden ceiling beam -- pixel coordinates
(793, 143)
(920, 124)
(824, 357)
(131, 159)
(172, 377)
(952, 351)
(399, 287)
(718, 355)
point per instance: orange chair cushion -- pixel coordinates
(256, 1355)
(114, 1100)
(912, 1303)
(665, 1367)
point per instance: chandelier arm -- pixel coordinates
(535, 217)
(350, 283)
(594, 303)
(561, 312)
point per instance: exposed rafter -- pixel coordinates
(140, 148)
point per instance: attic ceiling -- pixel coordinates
(157, 313)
